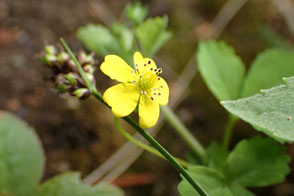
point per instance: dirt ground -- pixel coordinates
(81, 135)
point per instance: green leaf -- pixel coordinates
(152, 35)
(124, 35)
(268, 70)
(240, 191)
(211, 181)
(98, 39)
(136, 12)
(215, 157)
(69, 184)
(21, 157)
(125, 39)
(221, 69)
(273, 110)
(257, 162)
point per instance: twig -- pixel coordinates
(225, 15)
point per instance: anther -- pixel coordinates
(149, 62)
(134, 81)
(140, 75)
(155, 70)
(152, 98)
(136, 65)
(154, 93)
(145, 65)
(151, 68)
(159, 94)
(158, 78)
(137, 70)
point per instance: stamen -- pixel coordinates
(145, 65)
(149, 62)
(134, 81)
(151, 68)
(152, 98)
(155, 70)
(159, 94)
(154, 93)
(158, 78)
(140, 75)
(136, 65)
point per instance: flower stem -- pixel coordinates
(167, 155)
(183, 131)
(143, 145)
(229, 130)
(148, 137)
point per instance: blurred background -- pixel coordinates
(80, 135)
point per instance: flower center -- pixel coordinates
(147, 80)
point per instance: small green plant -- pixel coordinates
(217, 170)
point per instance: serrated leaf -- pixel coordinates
(211, 181)
(124, 36)
(69, 184)
(152, 34)
(267, 71)
(98, 39)
(125, 39)
(221, 69)
(215, 157)
(257, 162)
(136, 12)
(21, 157)
(273, 110)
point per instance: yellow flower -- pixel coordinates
(142, 87)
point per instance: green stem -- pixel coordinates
(148, 137)
(143, 145)
(229, 130)
(183, 131)
(167, 155)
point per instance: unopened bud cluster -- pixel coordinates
(65, 73)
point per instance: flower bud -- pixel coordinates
(89, 68)
(91, 77)
(63, 57)
(89, 59)
(71, 78)
(50, 59)
(82, 93)
(82, 57)
(50, 50)
(136, 12)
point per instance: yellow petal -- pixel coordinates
(162, 94)
(116, 68)
(143, 63)
(148, 112)
(122, 98)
